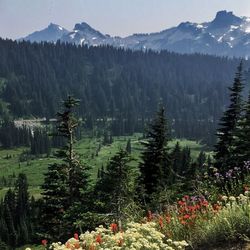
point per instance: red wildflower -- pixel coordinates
(168, 218)
(161, 222)
(191, 208)
(182, 203)
(216, 207)
(183, 222)
(186, 197)
(193, 216)
(182, 210)
(98, 239)
(76, 236)
(197, 207)
(204, 203)
(149, 216)
(186, 216)
(44, 242)
(114, 227)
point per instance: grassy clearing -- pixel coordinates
(89, 154)
(88, 150)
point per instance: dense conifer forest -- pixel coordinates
(123, 86)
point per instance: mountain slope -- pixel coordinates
(52, 33)
(226, 35)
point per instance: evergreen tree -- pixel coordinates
(225, 147)
(201, 160)
(15, 215)
(65, 182)
(22, 214)
(9, 215)
(4, 233)
(186, 162)
(242, 150)
(55, 196)
(155, 166)
(40, 142)
(22, 197)
(128, 146)
(176, 161)
(115, 187)
(23, 234)
(78, 176)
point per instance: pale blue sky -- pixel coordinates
(115, 17)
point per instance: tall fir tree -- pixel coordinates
(55, 196)
(155, 166)
(242, 149)
(225, 147)
(9, 215)
(22, 209)
(115, 187)
(176, 161)
(65, 182)
(22, 196)
(77, 172)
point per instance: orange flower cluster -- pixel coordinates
(114, 227)
(99, 239)
(216, 207)
(74, 246)
(149, 216)
(161, 222)
(160, 219)
(189, 209)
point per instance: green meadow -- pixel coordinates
(91, 152)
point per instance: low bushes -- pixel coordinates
(201, 223)
(137, 236)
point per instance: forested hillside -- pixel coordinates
(112, 83)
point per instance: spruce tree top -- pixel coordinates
(228, 124)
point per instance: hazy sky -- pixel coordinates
(115, 17)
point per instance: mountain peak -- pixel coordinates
(53, 26)
(184, 24)
(224, 19)
(52, 33)
(86, 31)
(82, 26)
(224, 13)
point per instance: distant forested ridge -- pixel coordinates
(123, 86)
